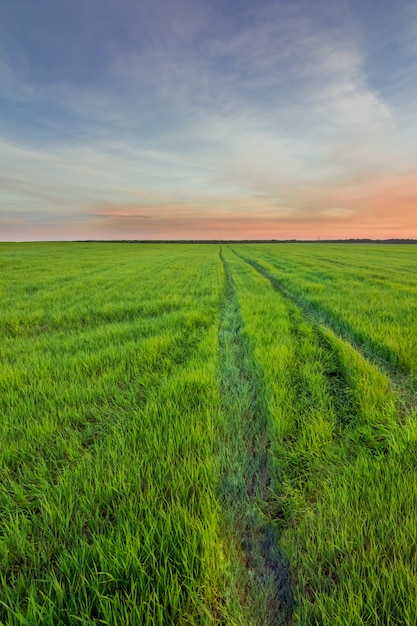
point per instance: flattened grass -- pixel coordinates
(258, 590)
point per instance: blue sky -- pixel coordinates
(189, 119)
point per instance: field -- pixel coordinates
(206, 434)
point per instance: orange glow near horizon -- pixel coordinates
(376, 209)
(379, 210)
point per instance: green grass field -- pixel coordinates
(206, 434)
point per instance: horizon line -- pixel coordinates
(407, 240)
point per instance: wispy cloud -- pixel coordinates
(185, 115)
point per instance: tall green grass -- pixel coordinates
(188, 438)
(346, 478)
(108, 398)
(367, 292)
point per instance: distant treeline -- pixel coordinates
(220, 241)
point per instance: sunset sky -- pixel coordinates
(170, 119)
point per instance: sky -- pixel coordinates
(215, 119)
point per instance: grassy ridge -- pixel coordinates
(108, 387)
(346, 478)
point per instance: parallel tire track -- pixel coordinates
(370, 351)
(247, 476)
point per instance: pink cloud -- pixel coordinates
(375, 208)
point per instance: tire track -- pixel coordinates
(337, 384)
(247, 476)
(380, 356)
(341, 450)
